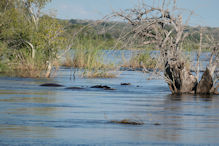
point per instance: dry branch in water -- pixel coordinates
(163, 27)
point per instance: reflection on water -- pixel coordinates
(31, 114)
(28, 99)
(27, 131)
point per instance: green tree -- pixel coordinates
(29, 42)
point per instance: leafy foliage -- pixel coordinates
(29, 41)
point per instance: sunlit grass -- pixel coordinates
(88, 55)
(23, 65)
(141, 60)
(98, 74)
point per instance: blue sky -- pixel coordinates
(206, 11)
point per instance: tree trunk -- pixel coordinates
(205, 84)
(181, 80)
(49, 69)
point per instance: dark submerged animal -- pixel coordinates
(51, 85)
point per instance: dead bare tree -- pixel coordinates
(163, 27)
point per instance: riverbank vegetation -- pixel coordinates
(33, 44)
(29, 41)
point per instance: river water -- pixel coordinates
(34, 115)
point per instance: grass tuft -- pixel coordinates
(141, 60)
(98, 74)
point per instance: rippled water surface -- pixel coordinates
(35, 115)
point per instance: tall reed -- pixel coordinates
(139, 61)
(88, 55)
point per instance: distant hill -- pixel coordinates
(113, 30)
(118, 26)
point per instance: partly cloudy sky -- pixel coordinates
(206, 11)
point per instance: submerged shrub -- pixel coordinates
(98, 74)
(141, 60)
